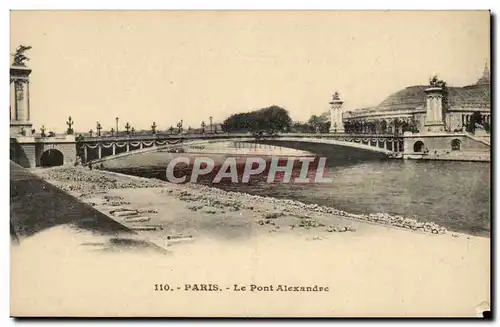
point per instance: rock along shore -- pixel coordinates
(83, 182)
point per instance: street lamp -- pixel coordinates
(179, 126)
(98, 128)
(70, 123)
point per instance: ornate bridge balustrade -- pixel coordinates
(89, 150)
(388, 142)
(97, 149)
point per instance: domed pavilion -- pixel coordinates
(408, 106)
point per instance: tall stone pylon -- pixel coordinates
(337, 125)
(434, 109)
(20, 114)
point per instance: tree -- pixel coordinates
(299, 127)
(276, 119)
(486, 126)
(271, 119)
(474, 119)
(319, 124)
(383, 126)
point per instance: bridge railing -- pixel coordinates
(101, 147)
(226, 135)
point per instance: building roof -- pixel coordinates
(413, 97)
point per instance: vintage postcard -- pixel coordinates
(250, 163)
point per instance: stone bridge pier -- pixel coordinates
(31, 151)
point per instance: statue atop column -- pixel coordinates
(436, 82)
(19, 89)
(436, 100)
(19, 58)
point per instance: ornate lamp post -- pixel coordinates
(98, 128)
(70, 123)
(132, 130)
(211, 125)
(127, 127)
(153, 128)
(179, 126)
(203, 125)
(43, 131)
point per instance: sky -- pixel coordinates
(164, 66)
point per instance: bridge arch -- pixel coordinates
(51, 158)
(455, 145)
(374, 145)
(418, 146)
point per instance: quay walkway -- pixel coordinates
(36, 205)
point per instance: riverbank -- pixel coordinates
(226, 238)
(125, 197)
(450, 156)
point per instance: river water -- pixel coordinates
(453, 194)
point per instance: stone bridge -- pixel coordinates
(100, 149)
(30, 151)
(36, 151)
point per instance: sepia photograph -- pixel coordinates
(262, 164)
